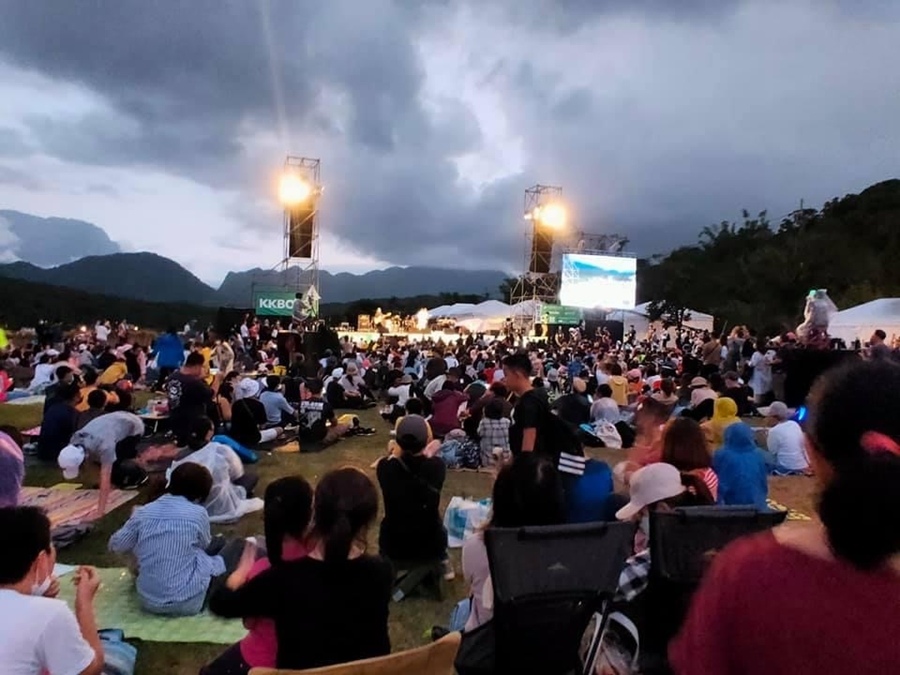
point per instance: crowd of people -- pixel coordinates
(693, 420)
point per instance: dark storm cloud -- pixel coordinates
(189, 85)
(183, 80)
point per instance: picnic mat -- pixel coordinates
(117, 606)
(792, 514)
(68, 506)
(28, 400)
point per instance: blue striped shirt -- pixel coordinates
(169, 538)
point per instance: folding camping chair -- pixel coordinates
(434, 659)
(548, 583)
(682, 542)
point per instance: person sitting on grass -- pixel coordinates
(318, 423)
(412, 529)
(248, 416)
(38, 633)
(12, 466)
(741, 468)
(287, 516)
(445, 405)
(685, 448)
(279, 413)
(173, 550)
(231, 496)
(189, 396)
(112, 441)
(725, 413)
(493, 433)
(89, 378)
(59, 423)
(785, 442)
(331, 606)
(96, 401)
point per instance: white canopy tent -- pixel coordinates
(863, 320)
(638, 317)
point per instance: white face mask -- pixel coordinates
(43, 587)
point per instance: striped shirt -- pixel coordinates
(169, 538)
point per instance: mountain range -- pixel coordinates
(80, 255)
(153, 278)
(50, 241)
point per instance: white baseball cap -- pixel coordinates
(778, 410)
(649, 485)
(70, 460)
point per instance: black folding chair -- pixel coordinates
(548, 583)
(682, 544)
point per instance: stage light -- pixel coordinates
(422, 319)
(552, 215)
(293, 190)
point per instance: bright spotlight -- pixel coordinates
(293, 190)
(550, 215)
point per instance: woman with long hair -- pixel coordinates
(331, 606)
(817, 597)
(685, 448)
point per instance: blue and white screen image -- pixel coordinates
(601, 281)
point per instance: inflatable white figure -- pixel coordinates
(817, 314)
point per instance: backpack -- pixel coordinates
(469, 454)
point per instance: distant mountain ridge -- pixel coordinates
(154, 278)
(50, 241)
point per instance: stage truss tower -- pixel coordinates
(538, 282)
(301, 271)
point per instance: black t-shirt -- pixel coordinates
(189, 396)
(742, 396)
(573, 408)
(315, 413)
(324, 613)
(412, 529)
(529, 412)
(247, 416)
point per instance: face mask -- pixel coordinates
(43, 587)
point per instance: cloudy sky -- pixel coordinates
(166, 121)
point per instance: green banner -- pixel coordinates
(274, 303)
(561, 314)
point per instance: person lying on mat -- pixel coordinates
(331, 606)
(111, 440)
(231, 496)
(38, 633)
(174, 552)
(287, 516)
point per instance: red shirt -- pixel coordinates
(768, 608)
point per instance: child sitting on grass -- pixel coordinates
(287, 516)
(173, 548)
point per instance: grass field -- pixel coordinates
(411, 620)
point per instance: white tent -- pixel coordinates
(863, 320)
(638, 317)
(451, 311)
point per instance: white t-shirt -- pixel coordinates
(786, 443)
(102, 332)
(40, 635)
